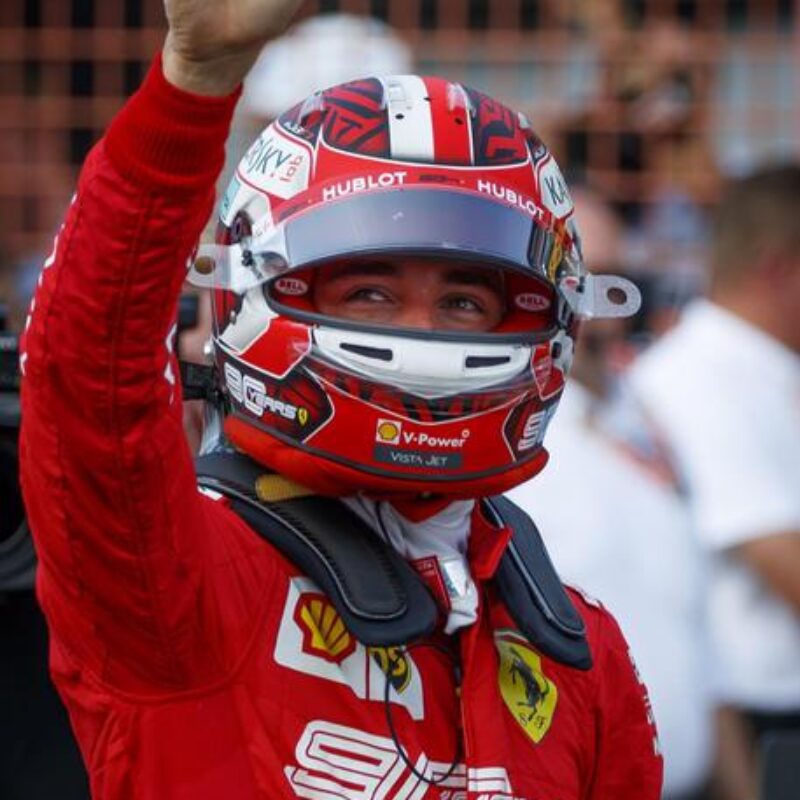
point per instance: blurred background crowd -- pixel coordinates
(673, 492)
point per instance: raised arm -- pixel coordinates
(123, 537)
(210, 47)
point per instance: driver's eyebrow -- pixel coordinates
(491, 279)
(460, 276)
(363, 268)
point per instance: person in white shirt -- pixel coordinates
(724, 386)
(628, 541)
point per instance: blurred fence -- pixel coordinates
(639, 98)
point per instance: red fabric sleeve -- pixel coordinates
(165, 138)
(629, 764)
(125, 541)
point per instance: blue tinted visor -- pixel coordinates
(429, 222)
(420, 221)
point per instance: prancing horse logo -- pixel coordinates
(528, 693)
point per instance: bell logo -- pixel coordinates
(388, 431)
(291, 286)
(528, 693)
(531, 301)
(324, 633)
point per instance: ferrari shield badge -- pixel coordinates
(528, 693)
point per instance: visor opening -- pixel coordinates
(476, 362)
(378, 353)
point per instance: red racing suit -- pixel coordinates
(195, 661)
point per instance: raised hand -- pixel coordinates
(212, 44)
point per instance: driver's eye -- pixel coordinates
(367, 295)
(462, 304)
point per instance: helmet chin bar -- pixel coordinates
(420, 366)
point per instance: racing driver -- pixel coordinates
(335, 601)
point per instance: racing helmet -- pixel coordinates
(378, 170)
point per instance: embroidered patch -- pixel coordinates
(312, 639)
(337, 762)
(324, 633)
(394, 664)
(529, 694)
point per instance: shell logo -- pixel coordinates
(388, 431)
(528, 693)
(324, 633)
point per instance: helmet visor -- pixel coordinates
(412, 221)
(424, 222)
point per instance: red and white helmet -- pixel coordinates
(397, 167)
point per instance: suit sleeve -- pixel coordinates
(629, 763)
(124, 539)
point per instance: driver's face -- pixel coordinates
(412, 293)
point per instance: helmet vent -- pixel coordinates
(473, 362)
(377, 353)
